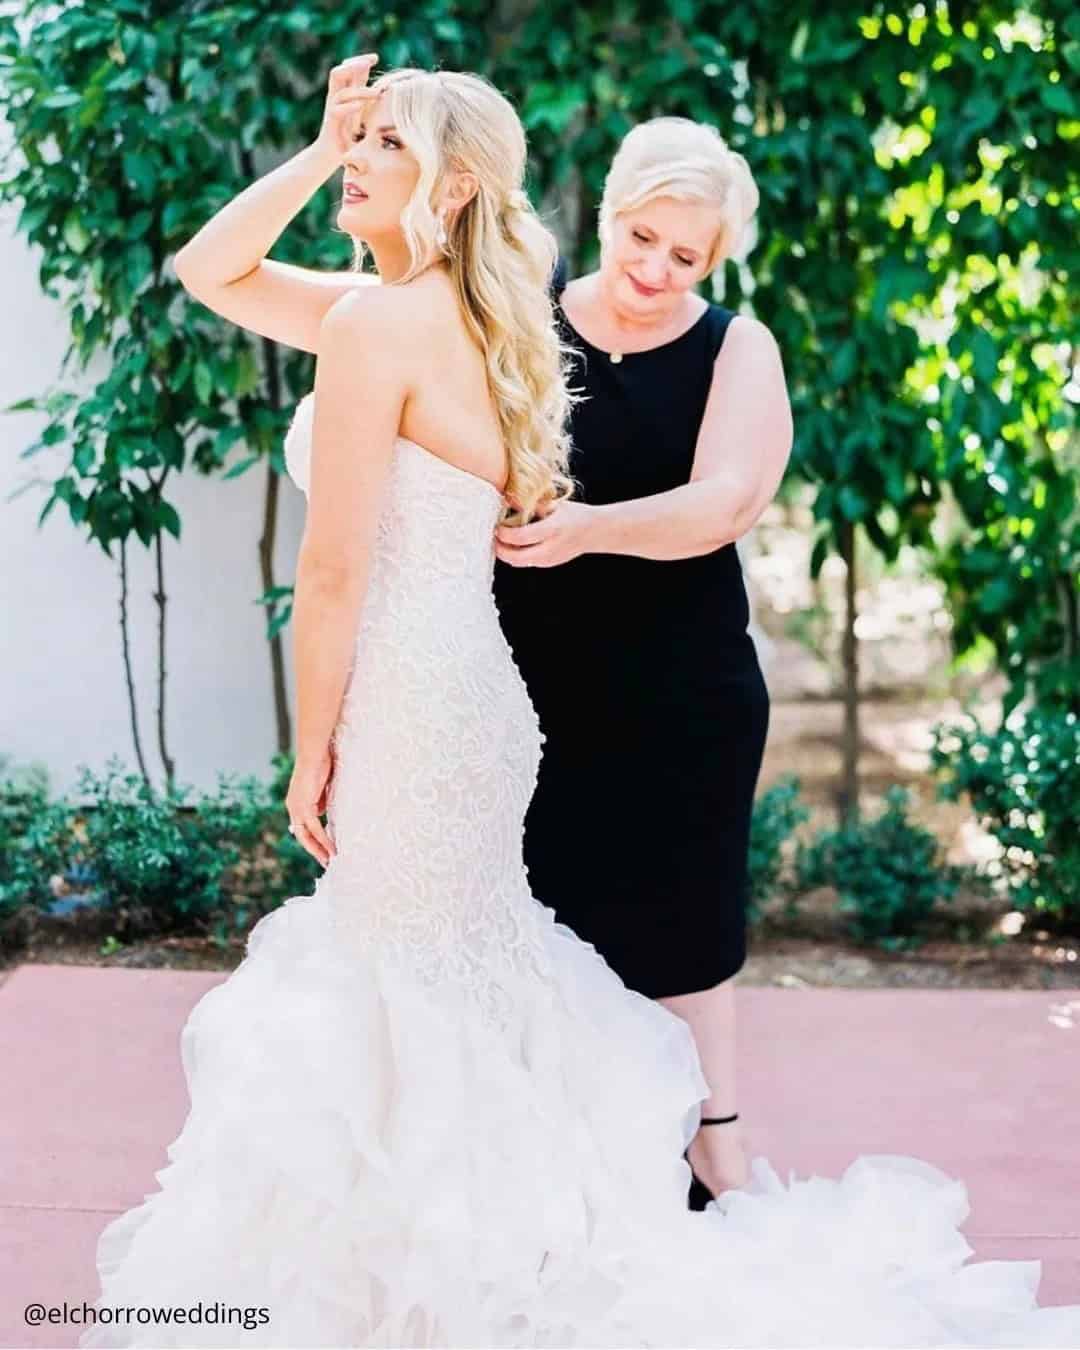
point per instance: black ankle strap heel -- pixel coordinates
(699, 1194)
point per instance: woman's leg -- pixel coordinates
(717, 1152)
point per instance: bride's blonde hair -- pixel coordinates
(501, 258)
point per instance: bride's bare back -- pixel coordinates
(450, 410)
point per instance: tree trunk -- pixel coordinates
(849, 790)
(1070, 623)
(268, 535)
(129, 678)
(282, 716)
(161, 600)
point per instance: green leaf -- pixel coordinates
(984, 354)
(140, 170)
(241, 467)
(46, 510)
(76, 235)
(277, 623)
(819, 553)
(843, 363)
(554, 107)
(67, 98)
(204, 382)
(996, 595)
(175, 212)
(124, 81)
(139, 264)
(853, 504)
(1058, 99)
(139, 223)
(248, 373)
(168, 517)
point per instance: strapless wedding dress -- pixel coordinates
(424, 1113)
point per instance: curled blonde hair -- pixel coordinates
(500, 257)
(690, 161)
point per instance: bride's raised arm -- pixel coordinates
(225, 264)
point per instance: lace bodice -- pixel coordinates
(437, 742)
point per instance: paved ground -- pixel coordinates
(984, 1084)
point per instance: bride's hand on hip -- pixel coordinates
(347, 99)
(306, 800)
(562, 533)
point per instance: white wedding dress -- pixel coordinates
(423, 1113)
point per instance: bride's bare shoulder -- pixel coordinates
(410, 317)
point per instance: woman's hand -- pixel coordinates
(306, 800)
(347, 96)
(565, 531)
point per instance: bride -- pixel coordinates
(423, 1113)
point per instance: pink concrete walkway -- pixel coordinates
(985, 1085)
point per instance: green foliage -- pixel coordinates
(163, 864)
(155, 868)
(155, 862)
(1023, 781)
(778, 812)
(917, 233)
(35, 845)
(982, 154)
(886, 872)
(120, 156)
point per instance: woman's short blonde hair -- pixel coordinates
(690, 161)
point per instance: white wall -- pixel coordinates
(62, 694)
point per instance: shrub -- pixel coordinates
(1023, 781)
(153, 868)
(152, 862)
(886, 872)
(264, 864)
(777, 814)
(163, 865)
(36, 848)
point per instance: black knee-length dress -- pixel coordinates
(648, 691)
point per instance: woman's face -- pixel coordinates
(657, 252)
(380, 165)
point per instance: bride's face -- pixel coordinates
(656, 253)
(378, 165)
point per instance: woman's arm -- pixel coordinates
(350, 458)
(225, 264)
(358, 410)
(742, 451)
(234, 242)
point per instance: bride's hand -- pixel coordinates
(347, 97)
(305, 802)
(324, 798)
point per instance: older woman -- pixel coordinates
(626, 610)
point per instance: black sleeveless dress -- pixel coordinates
(648, 690)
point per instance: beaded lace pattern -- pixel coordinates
(437, 743)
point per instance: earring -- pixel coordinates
(440, 231)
